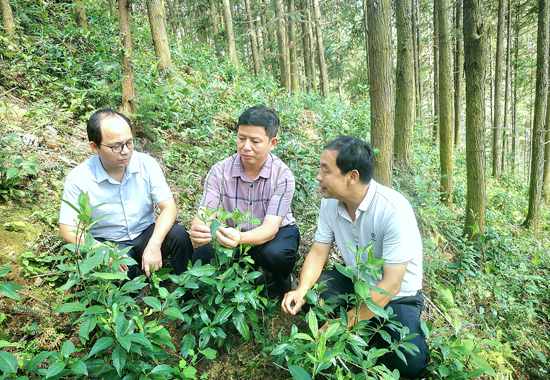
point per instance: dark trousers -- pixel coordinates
(176, 245)
(276, 256)
(407, 310)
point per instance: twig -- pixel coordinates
(343, 364)
(34, 298)
(10, 90)
(23, 339)
(45, 274)
(303, 187)
(437, 309)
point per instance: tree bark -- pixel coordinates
(292, 48)
(497, 104)
(7, 17)
(459, 63)
(320, 48)
(416, 56)
(215, 31)
(173, 21)
(405, 87)
(436, 73)
(228, 18)
(281, 42)
(515, 105)
(81, 19)
(252, 33)
(505, 126)
(381, 88)
(446, 125)
(537, 145)
(474, 68)
(157, 21)
(546, 149)
(306, 45)
(128, 103)
(366, 21)
(311, 47)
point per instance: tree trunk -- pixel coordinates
(128, 103)
(381, 88)
(537, 145)
(252, 32)
(546, 167)
(320, 48)
(306, 45)
(459, 63)
(311, 47)
(81, 19)
(505, 134)
(416, 56)
(366, 21)
(173, 21)
(215, 31)
(436, 73)
(7, 17)
(292, 48)
(515, 103)
(281, 42)
(446, 125)
(266, 37)
(497, 104)
(474, 68)
(157, 21)
(228, 18)
(405, 89)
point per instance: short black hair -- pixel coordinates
(353, 154)
(93, 126)
(261, 116)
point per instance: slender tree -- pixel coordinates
(320, 48)
(306, 44)
(311, 47)
(128, 103)
(157, 21)
(497, 103)
(405, 87)
(546, 167)
(366, 22)
(474, 68)
(281, 42)
(7, 17)
(505, 127)
(515, 96)
(113, 8)
(292, 48)
(446, 125)
(416, 56)
(459, 63)
(253, 41)
(436, 72)
(215, 31)
(228, 19)
(80, 14)
(381, 88)
(538, 135)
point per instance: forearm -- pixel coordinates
(163, 224)
(390, 286)
(258, 235)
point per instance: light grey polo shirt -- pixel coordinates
(384, 218)
(129, 204)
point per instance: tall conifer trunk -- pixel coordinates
(215, 31)
(436, 73)
(252, 33)
(320, 48)
(7, 17)
(474, 68)
(381, 88)
(292, 48)
(157, 21)
(281, 42)
(459, 63)
(539, 132)
(228, 19)
(405, 87)
(446, 125)
(306, 45)
(497, 125)
(128, 91)
(505, 125)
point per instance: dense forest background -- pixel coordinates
(453, 95)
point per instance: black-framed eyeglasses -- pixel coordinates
(120, 147)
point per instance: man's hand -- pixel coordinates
(122, 267)
(293, 301)
(200, 234)
(228, 237)
(151, 256)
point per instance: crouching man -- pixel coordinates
(129, 183)
(253, 180)
(359, 211)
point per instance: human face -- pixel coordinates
(253, 145)
(114, 130)
(333, 183)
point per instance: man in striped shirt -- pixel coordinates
(253, 180)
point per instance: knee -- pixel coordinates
(178, 236)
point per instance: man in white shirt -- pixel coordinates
(359, 211)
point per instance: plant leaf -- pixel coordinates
(241, 325)
(298, 372)
(9, 290)
(8, 362)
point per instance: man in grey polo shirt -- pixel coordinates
(128, 183)
(359, 211)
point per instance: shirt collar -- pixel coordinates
(101, 175)
(236, 169)
(365, 203)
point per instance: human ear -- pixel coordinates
(353, 176)
(273, 143)
(94, 147)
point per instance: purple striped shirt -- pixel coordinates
(270, 193)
